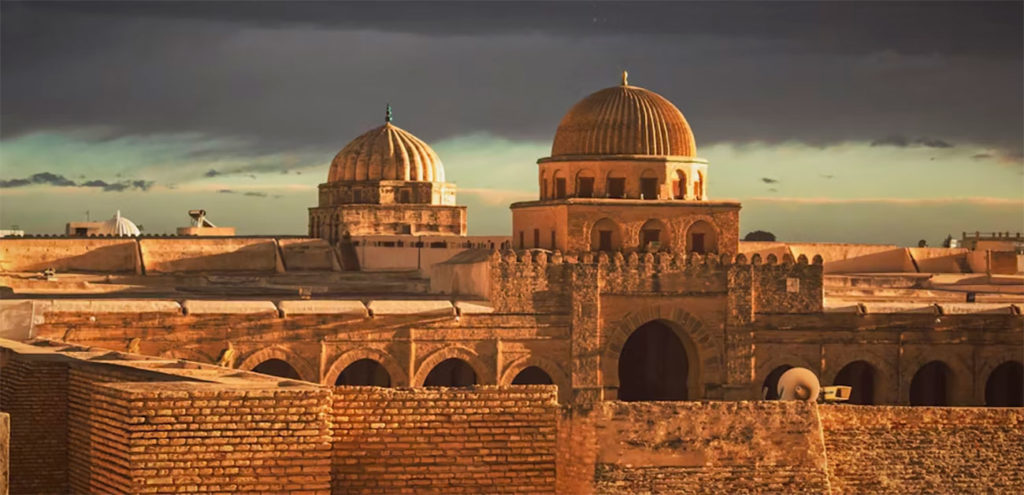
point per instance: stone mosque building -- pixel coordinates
(621, 339)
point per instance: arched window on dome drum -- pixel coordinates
(649, 184)
(559, 184)
(605, 236)
(585, 184)
(698, 187)
(616, 187)
(543, 186)
(679, 185)
(653, 236)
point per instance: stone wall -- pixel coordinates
(479, 440)
(924, 449)
(68, 255)
(5, 454)
(209, 254)
(709, 447)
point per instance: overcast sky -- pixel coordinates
(854, 122)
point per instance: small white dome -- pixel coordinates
(119, 226)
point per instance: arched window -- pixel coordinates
(278, 368)
(615, 186)
(698, 186)
(861, 377)
(931, 385)
(452, 372)
(604, 236)
(1005, 385)
(532, 375)
(364, 372)
(679, 185)
(585, 184)
(653, 235)
(649, 184)
(559, 185)
(770, 387)
(701, 238)
(543, 186)
(653, 365)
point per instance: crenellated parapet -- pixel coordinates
(523, 279)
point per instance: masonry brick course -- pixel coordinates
(482, 439)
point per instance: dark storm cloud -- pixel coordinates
(769, 180)
(256, 194)
(226, 191)
(211, 173)
(311, 76)
(905, 142)
(57, 180)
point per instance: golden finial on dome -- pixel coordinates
(625, 78)
(387, 114)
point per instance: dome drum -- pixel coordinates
(387, 192)
(654, 178)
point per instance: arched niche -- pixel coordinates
(605, 235)
(559, 186)
(483, 375)
(679, 185)
(544, 186)
(364, 372)
(649, 184)
(296, 362)
(654, 235)
(390, 364)
(701, 237)
(452, 372)
(770, 386)
(558, 377)
(863, 378)
(932, 385)
(698, 187)
(278, 368)
(585, 185)
(1005, 385)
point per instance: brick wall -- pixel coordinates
(35, 395)
(476, 440)
(924, 449)
(723, 447)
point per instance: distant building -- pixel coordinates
(116, 226)
(993, 241)
(12, 233)
(201, 226)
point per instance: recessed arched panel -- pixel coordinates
(452, 372)
(1005, 385)
(653, 365)
(365, 372)
(605, 235)
(654, 235)
(585, 184)
(278, 368)
(861, 376)
(532, 375)
(931, 385)
(701, 238)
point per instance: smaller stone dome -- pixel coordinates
(387, 152)
(119, 226)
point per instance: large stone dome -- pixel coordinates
(386, 153)
(624, 120)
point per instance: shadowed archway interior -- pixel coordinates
(1005, 385)
(770, 387)
(277, 368)
(930, 385)
(653, 365)
(364, 372)
(861, 377)
(532, 375)
(452, 372)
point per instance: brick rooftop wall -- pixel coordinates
(475, 440)
(884, 449)
(35, 395)
(709, 447)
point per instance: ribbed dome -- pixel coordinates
(386, 153)
(119, 226)
(624, 120)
